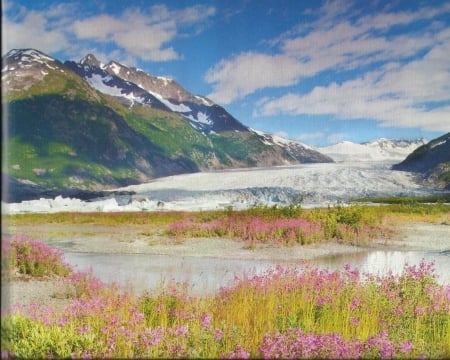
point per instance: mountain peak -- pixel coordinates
(26, 57)
(22, 67)
(90, 60)
(115, 67)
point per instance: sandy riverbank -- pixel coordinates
(139, 239)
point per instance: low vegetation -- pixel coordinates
(279, 225)
(284, 225)
(31, 257)
(283, 313)
(408, 200)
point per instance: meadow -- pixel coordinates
(301, 312)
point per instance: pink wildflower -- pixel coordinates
(206, 321)
(406, 347)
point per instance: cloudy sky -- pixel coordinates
(316, 71)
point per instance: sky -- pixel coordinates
(319, 72)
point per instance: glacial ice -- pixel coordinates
(316, 184)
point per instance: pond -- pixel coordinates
(201, 275)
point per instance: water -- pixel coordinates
(142, 272)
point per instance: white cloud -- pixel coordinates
(139, 32)
(150, 33)
(31, 29)
(395, 96)
(244, 74)
(392, 82)
(99, 28)
(331, 43)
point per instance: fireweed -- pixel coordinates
(31, 257)
(339, 224)
(286, 312)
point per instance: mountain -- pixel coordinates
(301, 152)
(386, 150)
(135, 86)
(92, 126)
(431, 160)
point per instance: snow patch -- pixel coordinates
(97, 82)
(180, 108)
(204, 100)
(271, 139)
(115, 68)
(165, 80)
(201, 118)
(439, 143)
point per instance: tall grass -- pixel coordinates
(286, 312)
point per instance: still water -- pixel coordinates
(142, 272)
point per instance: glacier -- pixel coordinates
(315, 185)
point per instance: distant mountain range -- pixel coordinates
(431, 160)
(386, 150)
(92, 126)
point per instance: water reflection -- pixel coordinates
(205, 275)
(381, 262)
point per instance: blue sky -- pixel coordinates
(315, 71)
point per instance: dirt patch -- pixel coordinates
(422, 236)
(142, 239)
(25, 290)
(139, 239)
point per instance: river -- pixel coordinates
(201, 275)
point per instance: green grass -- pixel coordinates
(429, 199)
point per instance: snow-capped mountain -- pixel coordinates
(21, 67)
(385, 150)
(90, 126)
(136, 86)
(294, 149)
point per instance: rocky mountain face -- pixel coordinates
(91, 126)
(431, 160)
(383, 150)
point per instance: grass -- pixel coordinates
(408, 200)
(285, 312)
